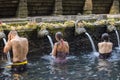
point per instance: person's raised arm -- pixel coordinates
(7, 47)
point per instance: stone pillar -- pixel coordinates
(115, 7)
(88, 7)
(58, 10)
(22, 10)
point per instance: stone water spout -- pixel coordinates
(43, 33)
(79, 27)
(2, 35)
(113, 28)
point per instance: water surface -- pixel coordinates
(83, 66)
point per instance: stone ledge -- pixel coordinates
(58, 18)
(113, 16)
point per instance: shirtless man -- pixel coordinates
(60, 49)
(19, 48)
(105, 47)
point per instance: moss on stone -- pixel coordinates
(26, 29)
(53, 31)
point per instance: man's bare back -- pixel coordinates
(18, 45)
(105, 47)
(20, 49)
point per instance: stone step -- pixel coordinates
(40, 7)
(8, 8)
(46, 7)
(102, 1)
(73, 7)
(9, 0)
(39, 1)
(101, 6)
(39, 4)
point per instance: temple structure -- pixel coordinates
(29, 8)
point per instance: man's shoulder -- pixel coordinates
(20, 39)
(110, 43)
(14, 40)
(100, 43)
(23, 38)
(65, 42)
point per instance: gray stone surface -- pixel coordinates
(22, 11)
(115, 7)
(59, 18)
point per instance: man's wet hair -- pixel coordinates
(13, 32)
(105, 37)
(59, 35)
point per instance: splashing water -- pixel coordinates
(118, 39)
(93, 46)
(49, 57)
(91, 41)
(8, 54)
(50, 40)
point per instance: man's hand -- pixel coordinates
(9, 37)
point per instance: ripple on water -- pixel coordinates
(80, 67)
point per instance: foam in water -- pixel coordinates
(96, 54)
(48, 57)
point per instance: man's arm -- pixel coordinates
(7, 47)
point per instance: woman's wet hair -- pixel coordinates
(105, 37)
(59, 35)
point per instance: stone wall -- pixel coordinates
(13, 8)
(8, 8)
(102, 6)
(73, 7)
(78, 43)
(40, 7)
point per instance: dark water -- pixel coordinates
(80, 67)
